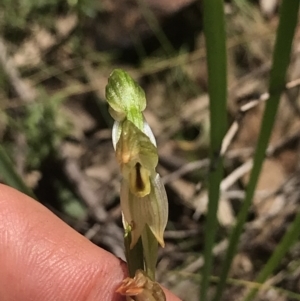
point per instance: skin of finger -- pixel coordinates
(41, 258)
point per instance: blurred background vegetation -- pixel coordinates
(55, 130)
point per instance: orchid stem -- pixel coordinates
(151, 245)
(134, 257)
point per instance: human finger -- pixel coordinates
(42, 258)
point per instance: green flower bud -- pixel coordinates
(125, 97)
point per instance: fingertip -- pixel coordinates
(42, 258)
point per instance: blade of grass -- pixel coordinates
(288, 20)
(284, 245)
(214, 30)
(10, 176)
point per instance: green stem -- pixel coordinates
(214, 30)
(150, 245)
(134, 256)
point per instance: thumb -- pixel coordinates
(42, 258)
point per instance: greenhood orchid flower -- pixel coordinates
(143, 197)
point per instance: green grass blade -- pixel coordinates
(10, 176)
(214, 30)
(288, 20)
(286, 242)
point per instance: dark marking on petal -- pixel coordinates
(139, 183)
